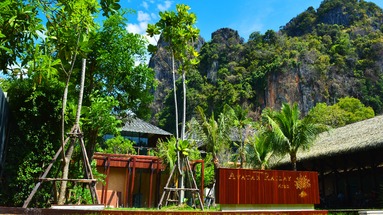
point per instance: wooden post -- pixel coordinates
(133, 179)
(158, 182)
(89, 174)
(127, 182)
(107, 180)
(202, 179)
(150, 185)
(103, 186)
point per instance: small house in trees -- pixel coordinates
(143, 134)
(133, 180)
(349, 163)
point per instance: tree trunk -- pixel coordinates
(293, 158)
(65, 99)
(182, 176)
(175, 97)
(76, 130)
(242, 149)
(65, 173)
(92, 142)
(184, 105)
(263, 166)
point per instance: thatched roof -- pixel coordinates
(359, 136)
(140, 126)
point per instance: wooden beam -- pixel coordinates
(69, 179)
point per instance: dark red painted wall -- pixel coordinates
(245, 186)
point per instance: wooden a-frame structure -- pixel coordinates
(74, 135)
(169, 190)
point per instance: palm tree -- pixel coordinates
(260, 149)
(242, 123)
(213, 133)
(292, 133)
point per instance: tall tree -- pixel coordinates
(69, 24)
(53, 64)
(117, 73)
(291, 132)
(177, 29)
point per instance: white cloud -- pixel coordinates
(165, 6)
(153, 15)
(143, 17)
(139, 28)
(145, 5)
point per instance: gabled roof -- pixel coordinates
(359, 136)
(140, 126)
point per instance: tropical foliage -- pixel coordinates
(317, 57)
(42, 62)
(290, 132)
(347, 110)
(329, 63)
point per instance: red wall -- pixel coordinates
(245, 186)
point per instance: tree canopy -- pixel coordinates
(42, 61)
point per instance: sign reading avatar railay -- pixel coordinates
(246, 186)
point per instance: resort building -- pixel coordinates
(133, 180)
(349, 162)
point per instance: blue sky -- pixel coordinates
(245, 16)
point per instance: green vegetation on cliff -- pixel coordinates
(320, 56)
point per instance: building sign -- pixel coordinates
(246, 186)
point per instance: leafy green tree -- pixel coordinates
(333, 116)
(114, 83)
(55, 63)
(97, 120)
(291, 132)
(356, 110)
(19, 29)
(347, 110)
(70, 28)
(118, 145)
(178, 31)
(117, 66)
(36, 130)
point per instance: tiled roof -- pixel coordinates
(140, 126)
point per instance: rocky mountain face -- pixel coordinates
(319, 56)
(223, 41)
(161, 64)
